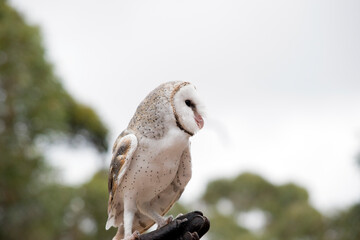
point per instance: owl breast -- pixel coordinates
(154, 166)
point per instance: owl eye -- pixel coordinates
(188, 103)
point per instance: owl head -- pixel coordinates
(170, 105)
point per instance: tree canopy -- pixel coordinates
(286, 210)
(34, 106)
(280, 212)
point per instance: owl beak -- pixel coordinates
(199, 120)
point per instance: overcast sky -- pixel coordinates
(280, 79)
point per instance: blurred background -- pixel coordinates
(279, 157)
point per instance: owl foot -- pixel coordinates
(134, 236)
(165, 221)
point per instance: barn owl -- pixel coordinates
(151, 162)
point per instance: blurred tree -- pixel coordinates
(225, 227)
(345, 224)
(285, 208)
(179, 208)
(95, 196)
(33, 106)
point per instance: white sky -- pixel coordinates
(281, 81)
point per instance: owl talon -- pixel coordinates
(169, 220)
(134, 236)
(165, 222)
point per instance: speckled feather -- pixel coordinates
(154, 136)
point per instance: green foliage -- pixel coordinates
(95, 196)
(225, 227)
(288, 213)
(298, 220)
(286, 208)
(84, 121)
(178, 208)
(345, 225)
(33, 106)
(33, 101)
(290, 193)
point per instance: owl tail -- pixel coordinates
(111, 219)
(110, 222)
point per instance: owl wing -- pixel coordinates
(123, 150)
(167, 198)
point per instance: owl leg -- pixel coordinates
(147, 210)
(129, 213)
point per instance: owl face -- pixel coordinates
(188, 109)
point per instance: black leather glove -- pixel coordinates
(191, 226)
